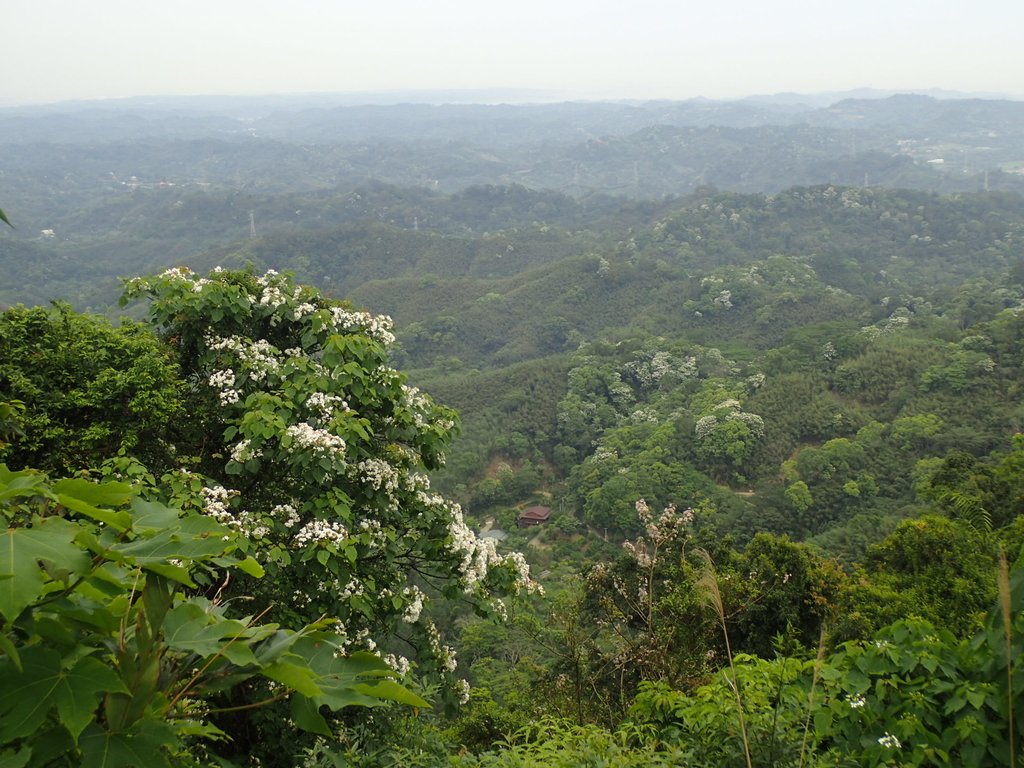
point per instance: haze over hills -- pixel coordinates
(796, 324)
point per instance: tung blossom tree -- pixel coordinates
(304, 440)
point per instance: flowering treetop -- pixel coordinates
(304, 440)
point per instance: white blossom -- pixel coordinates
(889, 741)
(215, 504)
(244, 452)
(316, 531)
(378, 328)
(415, 606)
(318, 441)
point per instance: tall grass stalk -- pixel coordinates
(708, 584)
(818, 662)
(1004, 604)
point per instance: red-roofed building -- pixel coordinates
(533, 516)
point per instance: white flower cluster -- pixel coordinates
(346, 639)
(324, 404)
(376, 537)
(477, 555)
(272, 297)
(244, 452)
(271, 294)
(259, 357)
(889, 741)
(445, 654)
(856, 702)
(707, 424)
(316, 531)
(754, 422)
(251, 526)
(379, 475)
(378, 328)
(287, 514)
(415, 481)
(462, 688)
(897, 321)
(658, 529)
(268, 277)
(319, 441)
(417, 403)
(522, 569)
(431, 500)
(400, 664)
(178, 273)
(215, 504)
(224, 382)
(644, 416)
(415, 606)
(354, 588)
(361, 638)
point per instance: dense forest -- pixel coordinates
(759, 363)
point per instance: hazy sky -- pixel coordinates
(61, 49)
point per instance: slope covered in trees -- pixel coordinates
(778, 428)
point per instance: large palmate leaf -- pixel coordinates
(17, 759)
(188, 627)
(142, 747)
(25, 483)
(194, 537)
(92, 499)
(27, 695)
(151, 516)
(361, 679)
(22, 549)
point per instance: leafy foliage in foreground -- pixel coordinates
(109, 656)
(914, 695)
(90, 389)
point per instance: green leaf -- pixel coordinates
(117, 520)
(194, 538)
(12, 653)
(21, 549)
(173, 572)
(296, 676)
(77, 689)
(350, 681)
(392, 691)
(91, 499)
(140, 748)
(152, 516)
(306, 715)
(15, 759)
(822, 722)
(4, 219)
(24, 483)
(111, 494)
(188, 627)
(27, 696)
(250, 566)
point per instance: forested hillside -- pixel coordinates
(761, 363)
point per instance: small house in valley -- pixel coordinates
(533, 516)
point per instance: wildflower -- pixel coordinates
(889, 741)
